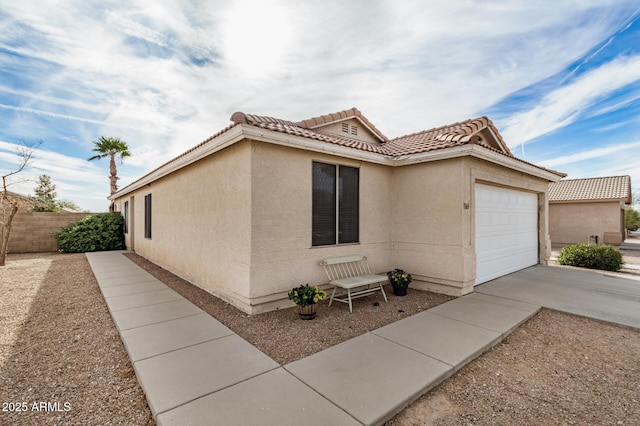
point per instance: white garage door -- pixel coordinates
(506, 231)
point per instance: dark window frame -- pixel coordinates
(147, 216)
(126, 217)
(335, 204)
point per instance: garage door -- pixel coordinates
(506, 231)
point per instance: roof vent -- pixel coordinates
(345, 127)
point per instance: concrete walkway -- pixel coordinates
(194, 370)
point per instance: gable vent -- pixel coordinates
(354, 130)
(345, 127)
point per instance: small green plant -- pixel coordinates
(98, 232)
(593, 256)
(399, 278)
(306, 295)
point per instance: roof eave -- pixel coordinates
(591, 200)
(246, 131)
(233, 135)
(480, 152)
(279, 138)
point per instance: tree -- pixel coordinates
(631, 219)
(114, 148)
(8, 201)
(45, 199)
(69, 205)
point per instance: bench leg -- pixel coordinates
(349, 296)
(332, 294)
(383, 294)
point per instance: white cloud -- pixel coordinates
(590, 154)
(166, 75)
(566, 104)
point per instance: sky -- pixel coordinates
(560, 79)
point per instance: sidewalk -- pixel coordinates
(194, 370)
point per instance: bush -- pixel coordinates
(594, 256)
(93, 233)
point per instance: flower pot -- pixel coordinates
(307, 312)
(400, 291)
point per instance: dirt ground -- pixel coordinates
(61, 358)
(556, 369)
(60, 350)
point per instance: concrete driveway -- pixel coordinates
(595, 294)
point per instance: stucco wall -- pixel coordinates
(573, 223)
(201, 223)
(429, 221)
(238, 223)
(31, 231)
(282, 255)
(433, 219)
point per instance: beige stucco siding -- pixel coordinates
(282, 255)
(238, 223)
(201, 218)
(433, 221)
(429, 222)
(572, 223)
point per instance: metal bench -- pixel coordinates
(349, 273)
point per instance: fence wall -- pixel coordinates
(31, 231)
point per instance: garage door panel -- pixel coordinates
(506, 231)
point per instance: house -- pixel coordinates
(251, 211)
(588, 210)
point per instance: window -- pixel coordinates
(336, 204)
(147, 216)
(126, 217)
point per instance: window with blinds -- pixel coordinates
(336, 204)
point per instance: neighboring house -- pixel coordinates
(588, 210)
(25, 203)
(250, 212)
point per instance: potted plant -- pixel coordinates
(399, 280)
(307, 297)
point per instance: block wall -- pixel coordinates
(31, 231)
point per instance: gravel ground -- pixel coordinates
(61, 358)
(59, 345)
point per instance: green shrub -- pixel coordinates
(594, 256)
(98, 232)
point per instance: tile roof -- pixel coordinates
(600, 188)
(449, 136)
(457, 134)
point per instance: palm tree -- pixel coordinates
(112, 148)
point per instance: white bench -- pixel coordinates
(352, 272)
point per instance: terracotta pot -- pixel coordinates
(307, 312)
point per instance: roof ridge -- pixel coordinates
(446, 126)
(241, 117)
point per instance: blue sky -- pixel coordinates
(560, 79)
